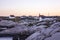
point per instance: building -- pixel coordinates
(41, 17)
(11, 16)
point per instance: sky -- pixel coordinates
(29, 7)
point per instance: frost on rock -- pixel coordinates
(55, 36)
(48, 31)
(52, 30)
(55, 31)
(7, 23)
(49, 38)
(42, 26)
(35, 29)
(36, 36)
(16, 30)
(42, 23)
(55, 25)
(39, 31)
(33, 36)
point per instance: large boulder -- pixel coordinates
(55, 31)
(36, 36)
(6, 23)
(50, 31)
(55, 36)
(55, 25)
(47, 32)
(36, 28)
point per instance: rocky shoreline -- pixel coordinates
(33, 30)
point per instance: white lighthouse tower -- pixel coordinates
(40, 18)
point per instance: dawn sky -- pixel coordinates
(29, 7)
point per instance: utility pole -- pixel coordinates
(39, 14)
(48, 14)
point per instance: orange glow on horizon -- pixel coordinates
(27, 13)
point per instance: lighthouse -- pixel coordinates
(40, 17)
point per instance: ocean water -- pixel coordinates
(6, 38)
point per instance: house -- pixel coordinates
(11, 16)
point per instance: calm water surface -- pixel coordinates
(5, 38)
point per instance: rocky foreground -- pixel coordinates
(45, 30)
(50, 33)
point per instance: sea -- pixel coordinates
(6, 38)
